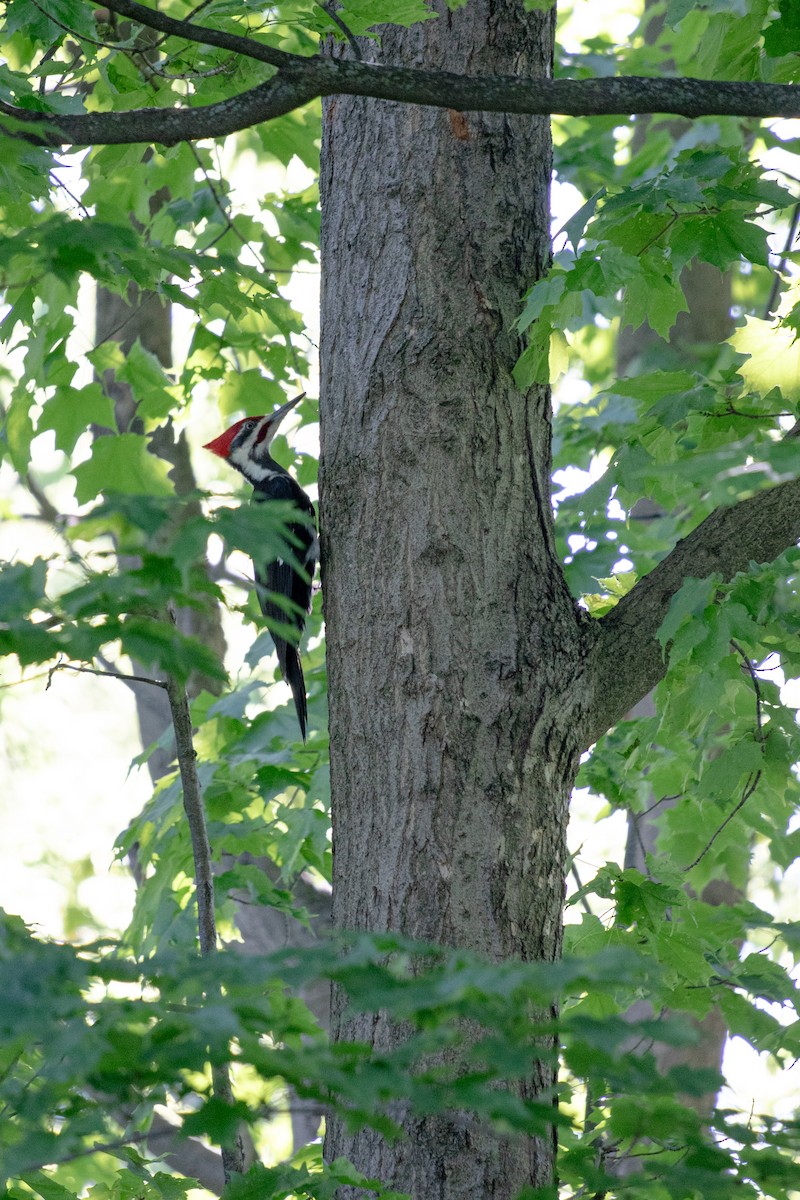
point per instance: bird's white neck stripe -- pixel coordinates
(250, 467)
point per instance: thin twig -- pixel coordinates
(195, 814)
(752, 780)
(48, 54)
(329, 8)
(749, 667)
(776, 279)
(76, 200)
(134, 312)
(153, 1135)
(656, 236)
(154, 19)
(47, 510)
(81, 37)
(637, 831)
(62, 666)
(24, 679)
(227, 218)
(577, 879)
(749, 788)
(731, 411)
(652, 807)
(130, 1139)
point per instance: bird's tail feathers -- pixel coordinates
(292, 672)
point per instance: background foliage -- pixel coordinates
(95, 1035)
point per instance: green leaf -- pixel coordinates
(783, 35)
(150, 386)
(249, 392)
(688, 604)
(47, 1188)
(725, 775)
(533, 365)
(576, 225)
(721, 239)
(21, 587)
(773, 356)
(614, 588)
(19, 431)
(361, 15)
(547, 292)
(121, 463)
(654, 296)
(220, 1121)
(71, 412)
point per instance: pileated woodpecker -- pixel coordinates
(246, 447)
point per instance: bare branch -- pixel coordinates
(626, 660)
(329, 8)
(62, 666)
(202, 34)
(589, 97)
(301, 79)
(164, 126)
(749, 666)
(749, 788)
(195, 815)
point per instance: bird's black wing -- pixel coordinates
(281, 579)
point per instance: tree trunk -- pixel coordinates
(452, 638)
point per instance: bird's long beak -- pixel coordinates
(281, 412)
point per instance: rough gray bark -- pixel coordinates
(450, 629)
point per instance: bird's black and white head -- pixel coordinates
(246, 444)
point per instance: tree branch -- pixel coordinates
(300, 79)
(282, 94)
(626, 660)
(623, 96)
(329, 8)
(202, 34)
(443, 89)
(112, 674)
